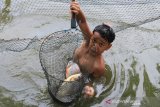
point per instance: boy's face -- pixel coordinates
(98, 45)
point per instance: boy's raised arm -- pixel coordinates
(81, 20)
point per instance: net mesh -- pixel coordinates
(57, 49)
(121, 14)
(99, 9)
(102, 10)
(55, 52)
(16, 44)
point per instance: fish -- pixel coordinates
(70, 88)
(73, 77)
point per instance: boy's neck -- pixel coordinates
(94, 55)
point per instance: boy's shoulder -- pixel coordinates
(99, 68)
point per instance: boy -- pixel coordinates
(89, 55)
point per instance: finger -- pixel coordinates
(75, 8)
(74, 3)
(74, 11)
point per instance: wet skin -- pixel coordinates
(88, 55)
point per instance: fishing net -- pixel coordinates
(55, 52)
(57, 49)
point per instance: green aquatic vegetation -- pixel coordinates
(122, 79)
(105, 93)
(9, 102)
(43, 95)
(108, 74)
(108, 91)
(104, 80)
(6, 101)
(158, 67)
(157, 47)
(152, 94)
(5, 17)
(129, 93)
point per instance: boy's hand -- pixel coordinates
(75, 8)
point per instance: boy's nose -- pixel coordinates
(95, 46)
(87, 92)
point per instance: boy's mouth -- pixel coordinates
(93, 49)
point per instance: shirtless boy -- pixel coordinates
(89, 55)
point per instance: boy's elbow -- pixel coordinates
(98, 74)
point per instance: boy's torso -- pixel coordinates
(86, 62)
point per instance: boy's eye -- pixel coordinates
(93, 40)
(100, 44)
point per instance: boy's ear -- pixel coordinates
(108, 46)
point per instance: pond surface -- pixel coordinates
(133, 63)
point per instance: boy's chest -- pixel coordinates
(87, 63)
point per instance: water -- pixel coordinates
(133, 74)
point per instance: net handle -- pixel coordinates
(73, 19)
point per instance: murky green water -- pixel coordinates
(132, 74)
(4, 15)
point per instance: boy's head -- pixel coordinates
(103, 36)
(106, 32)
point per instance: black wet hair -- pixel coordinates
(106, 32)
